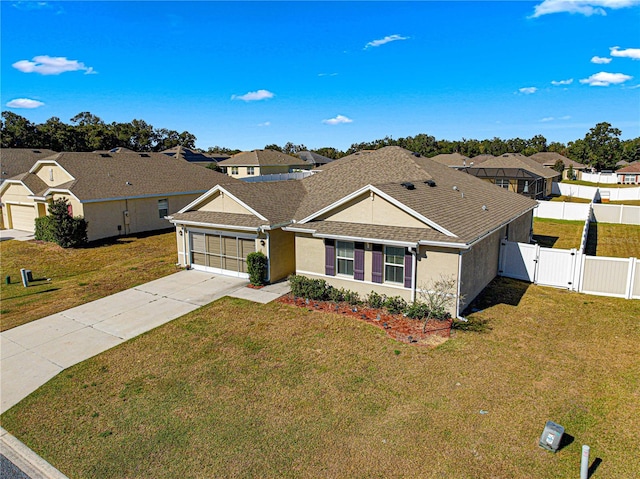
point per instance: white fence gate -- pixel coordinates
(545, 266)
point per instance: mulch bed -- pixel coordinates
(396, 326)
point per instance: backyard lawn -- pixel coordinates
(607, 239)
(551, 233)
(77, 275)
(237, 389)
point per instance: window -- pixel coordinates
(344, 258)
(502, 183)
(70, 210)
(394, 264)
(234, 170)
(250, 170)
(163, 208)
(629, 179)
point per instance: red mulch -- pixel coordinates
(397, 326)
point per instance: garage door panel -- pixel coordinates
(23, 217)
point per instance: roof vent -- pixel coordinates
(36, 151)
(105, 155)
(128, 183)
(144, 155)
(407, 185)
(416, 154)
(431, 183)
(484, 208)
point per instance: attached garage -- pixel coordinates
(221, 252)
(22, 217)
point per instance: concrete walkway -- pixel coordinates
(16, 235)
(32, 354)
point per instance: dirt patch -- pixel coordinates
(397, 326)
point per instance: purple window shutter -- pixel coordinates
(408, 265)
(377, 264)
(358, 262)
(330, 257)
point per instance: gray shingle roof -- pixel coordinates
(217, 218)
(452, 159)
(314, 158)
(263, 158)
(549, 158)
(128, 175)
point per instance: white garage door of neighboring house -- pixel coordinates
(221, 253)
(23, 217)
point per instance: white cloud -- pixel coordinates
(24, 103)
(528, 90)
(583, 7)
(266, 123)
(46, 65)
(337, 120)
(553, 118)
(327, 74)
(548, 118)
(606, 79)
(254, 96)
(565, 118)
(633, 53)
(387, 39)
(32, 5)
(601, 60)
(562, 82)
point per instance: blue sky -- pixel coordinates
(247, 74)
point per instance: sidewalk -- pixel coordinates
(32, 354)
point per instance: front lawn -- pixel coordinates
(237, 389)
(77, 275)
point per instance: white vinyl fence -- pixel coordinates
(599, 177)
(297, 175)
(595, 192)
(572, 269)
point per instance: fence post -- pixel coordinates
(631, 277)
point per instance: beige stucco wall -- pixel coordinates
(520, 229)
(480, 265)
(222, 202)
(266, 170)
(373, 209)
(45, 172)
(281, 254)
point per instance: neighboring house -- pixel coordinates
(14, 161)
(517, 173)
(117, 193)
(388, 220)
(194, 157)
(314, 159)
(452, 160)
(262, 162)
(550, 158)
(630, 174)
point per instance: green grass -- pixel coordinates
(601, 185)
(570, 199)
(619, 241)
(625, 202)
(552, 233)
(237, 389)
(77, 275)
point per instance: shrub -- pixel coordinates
(60, 227)
(314, 289)
(351, 297)
(336, 294)
(417, 310)
(395, 304)
(257, 267)
(375, 300)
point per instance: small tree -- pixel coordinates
(438, 296)
(257, 267)
(570, 174)
(559, 166)
(61, 227)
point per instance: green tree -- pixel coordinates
(62, 228)
(559, 165)
(17, 132)
(604, 147)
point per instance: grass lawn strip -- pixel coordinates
(236, 389)
(552, 233)
(77, 275)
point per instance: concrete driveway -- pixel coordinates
(16, 235)
(31, 354)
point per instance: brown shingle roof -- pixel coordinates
(14, 161)
(452, 159)
(128, 175)
(221, 219)
(264, 158)
(631, 168)
(516, 160)
(549, 158)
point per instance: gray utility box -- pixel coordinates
(551, 436)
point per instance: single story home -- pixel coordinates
(262, 162)
(517, 173)
(389, 221)
(118, 193)
(550, 158)
(194, 157)
(630, 174)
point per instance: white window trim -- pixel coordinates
(352, 259)
(384, 266)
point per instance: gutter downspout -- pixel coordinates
(458, 316)
(414, 272)
(184, 247)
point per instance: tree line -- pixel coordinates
(600, 148)
(87, 132)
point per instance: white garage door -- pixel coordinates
(221, 253)
(23, 217)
